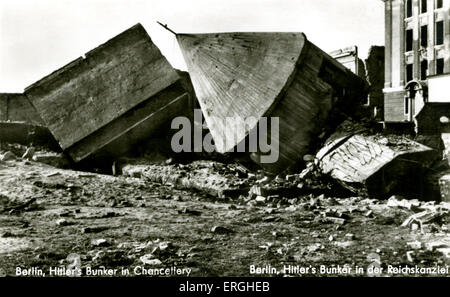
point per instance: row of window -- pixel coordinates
(423, 6)
(424, 69)
(439, 36)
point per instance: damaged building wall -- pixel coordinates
(377, 165)
(278, 75)
(112, 97)
(15, 107)
(375, 78)
(349, 58)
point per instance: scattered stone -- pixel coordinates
(416, 245)
(331, 238)
(29, 153)
(148, 259)
(445, 252)
(315, 235)
(190, 211)
(53, 174)
(424, 217)
(270, 219)
(291, 208)
(344, 244)
(410, 256)
(276, 234)
(260, 199)
(434, 245)
(63, 222)
(414, 227)
(335, 220)
(7, 234)
(94, 229)
(165, 245)
(263, 181)
(100, 242)
(314, 247)
(221, 230)
(350, 236)
(7, 156)
(269, 210)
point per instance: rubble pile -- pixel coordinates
(211, 177)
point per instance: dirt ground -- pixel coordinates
(123, 222)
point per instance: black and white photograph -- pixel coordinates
(247, 140)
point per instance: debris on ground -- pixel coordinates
(376, 165)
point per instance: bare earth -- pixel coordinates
(150, 225)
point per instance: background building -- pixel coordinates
(417, 51)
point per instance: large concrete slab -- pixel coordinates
(108, 92)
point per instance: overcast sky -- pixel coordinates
(40, 36)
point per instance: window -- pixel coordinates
(423, 69)
(439, 32)
(408, 8)
(424, 36)
(438, 3)
(409, 40)
(409, 72)
(423, 6)
(439, 66)
(406, 105)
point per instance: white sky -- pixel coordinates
(40, 36)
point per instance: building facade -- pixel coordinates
(417, 49)
(371, 70)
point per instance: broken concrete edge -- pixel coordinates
(397, 155)
(48, 79)
(25, 133)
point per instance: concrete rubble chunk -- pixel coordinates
(63, 222)
(57, 160)
(100, 242)
(425, 217)
(149, 259)
(367, 167)
(7, 156)
(29, 153)
(334, 220)
(114, 97)
(221, 230)
(416, 245)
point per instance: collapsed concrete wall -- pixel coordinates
(348, 57)
(377, 165)
(111, 98)
(20, 123)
